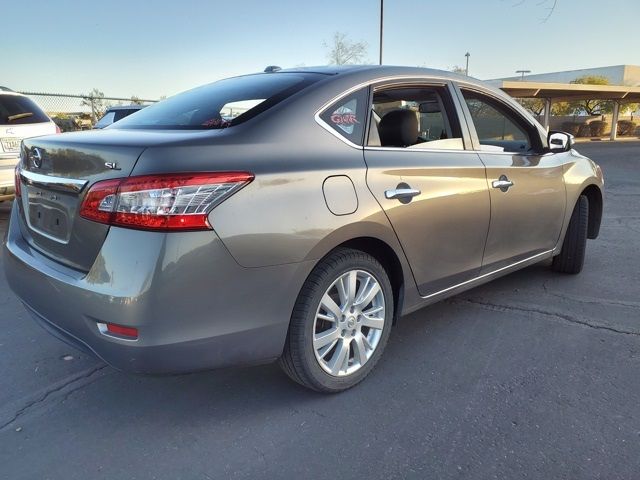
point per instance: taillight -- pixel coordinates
(58, 129)
(18, 187)
(180, 201)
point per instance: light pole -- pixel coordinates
(523, 73)
(381, 25)
(466, 70)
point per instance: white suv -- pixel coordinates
(20, 118)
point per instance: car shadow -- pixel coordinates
(428, 340)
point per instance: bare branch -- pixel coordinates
(550, 9)
(343, 51)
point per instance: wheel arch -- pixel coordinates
(388, 258)
(594, 196)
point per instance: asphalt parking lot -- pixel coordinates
(535, 375)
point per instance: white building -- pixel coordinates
(628, 75)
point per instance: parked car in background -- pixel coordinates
(20, 117)
(113, 114)
(302, 229)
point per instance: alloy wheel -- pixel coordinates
(349, 323)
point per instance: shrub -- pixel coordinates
(597, 128)
(584, 130)
(65, 123)
(626, 128)
(571, 127)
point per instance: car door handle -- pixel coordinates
(401, 193)
(503, 183)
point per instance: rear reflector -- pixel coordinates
(166, 202)
(111, 328)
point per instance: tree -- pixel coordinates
(95, 101)
(135, 100)
(548, 5)
(345, 52)
(592, 107)
(533, 105)
(458, 69)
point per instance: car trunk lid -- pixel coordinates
(56, 173)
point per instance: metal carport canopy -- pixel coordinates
(562, 92)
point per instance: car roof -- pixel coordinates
(381, 70)
(370, 73)
(8, 91)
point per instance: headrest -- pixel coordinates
(398, 128)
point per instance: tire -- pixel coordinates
(321, 369)
(571, 257)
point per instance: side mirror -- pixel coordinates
(560, 141)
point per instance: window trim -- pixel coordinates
(410, 80)
(318, 115)
(520, 120)
(414, 82)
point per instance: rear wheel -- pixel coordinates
(571, 257)
(340, 323)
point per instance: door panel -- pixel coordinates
(443, 229)
(526, 218)
(527, 189)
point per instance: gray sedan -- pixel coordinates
(300, 227)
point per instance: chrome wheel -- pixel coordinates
(349, 323)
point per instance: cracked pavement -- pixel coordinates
(534, 375)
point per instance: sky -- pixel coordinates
(159, 47)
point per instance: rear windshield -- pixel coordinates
(18, 110)
(220, 104)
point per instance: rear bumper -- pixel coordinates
(194, 307)
(7, 168)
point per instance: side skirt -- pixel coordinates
(474, 282)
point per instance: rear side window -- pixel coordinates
(221, 104)
(414, 117)
(108, 119)
(120, 114)
(347, 116)
(18, 110)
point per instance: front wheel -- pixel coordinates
(571, 257)
(340, 323)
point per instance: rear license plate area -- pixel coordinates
(48, 216)
(11, 145)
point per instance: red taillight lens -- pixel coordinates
(17, 184)
(121, 330)
(179, 201)
(98, 201)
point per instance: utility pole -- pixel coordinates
(466, 70)
(523, 73)
(381, 27)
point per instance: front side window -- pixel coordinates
(221, 104)
(347, 116)
(414, 117)
(498, 129)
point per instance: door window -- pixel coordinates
(498, 128)
(414, 117)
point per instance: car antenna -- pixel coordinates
(272, 69)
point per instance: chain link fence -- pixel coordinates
(79, 112)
